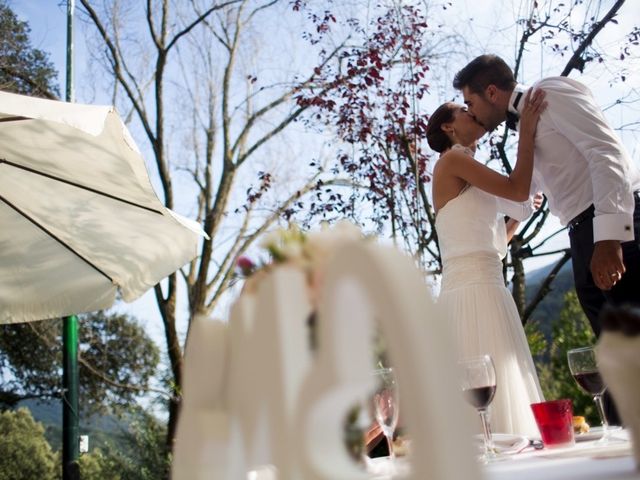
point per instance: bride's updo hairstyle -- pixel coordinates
(436, 137)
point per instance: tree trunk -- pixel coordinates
(519, 279)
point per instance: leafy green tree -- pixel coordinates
(23, 69)
(92, 466)
(570, 330)
(535, 338)
(140, 455)
(117, 360)
(24, 451)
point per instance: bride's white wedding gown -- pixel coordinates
(472, 236)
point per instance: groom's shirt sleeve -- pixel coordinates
(575, 115)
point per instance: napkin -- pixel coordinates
(618, 354)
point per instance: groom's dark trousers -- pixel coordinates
(592, 299)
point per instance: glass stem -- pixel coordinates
(603, 417)
(389, 438)
(486, 430)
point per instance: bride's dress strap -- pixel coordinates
(464, 149)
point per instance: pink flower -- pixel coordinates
(245, 265)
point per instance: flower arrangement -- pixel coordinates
(309, 252)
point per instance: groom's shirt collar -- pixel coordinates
(516, 102)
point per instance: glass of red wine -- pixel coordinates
(584, 368)
(386, 403)
(479, 386)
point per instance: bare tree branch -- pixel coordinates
(117, 69)
(576, 61)
(195, 22)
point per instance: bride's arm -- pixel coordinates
(515, 186)
(517, 212)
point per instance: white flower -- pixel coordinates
(272, 239)
(320, 245)
(308, 252)
(292, 250)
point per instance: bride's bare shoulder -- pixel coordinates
(455, 155)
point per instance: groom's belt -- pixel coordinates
(589, 213)
(581, 217)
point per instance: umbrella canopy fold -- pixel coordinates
(79, 218)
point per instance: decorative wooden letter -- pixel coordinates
(255, 395)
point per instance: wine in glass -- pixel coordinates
(479, 386)
(386, 403)
(583, 366)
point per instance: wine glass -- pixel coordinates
(479, 386)
(584, 368)
(386, 403)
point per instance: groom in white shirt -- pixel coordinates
(584, 170)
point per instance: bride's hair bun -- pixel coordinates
(438, 140)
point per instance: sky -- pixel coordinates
(488, 25)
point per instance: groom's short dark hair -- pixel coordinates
(483, 71)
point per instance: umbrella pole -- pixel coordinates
(70, 420)
(70, 380)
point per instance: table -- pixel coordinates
(584, 461)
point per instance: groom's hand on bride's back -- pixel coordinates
(607, 266)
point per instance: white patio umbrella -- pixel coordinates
(79, 218)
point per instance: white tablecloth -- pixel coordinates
(584, 461)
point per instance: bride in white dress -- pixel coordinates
(470, 201)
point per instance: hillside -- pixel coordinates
(101, 429)
(551, 305)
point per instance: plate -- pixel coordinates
(594, 433)
(505, 443)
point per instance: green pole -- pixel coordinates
(70, 414)
(70, 423)
(69, 90)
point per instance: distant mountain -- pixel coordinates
(549, 308)
(101, 429)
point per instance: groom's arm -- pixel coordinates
(575, 114)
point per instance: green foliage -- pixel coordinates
(140, 455)
(570, 329)
(537, 342)
(92, 466)
(116, 361)
(115, 348)
(25, 453)
(23, 69)
(133, 447)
